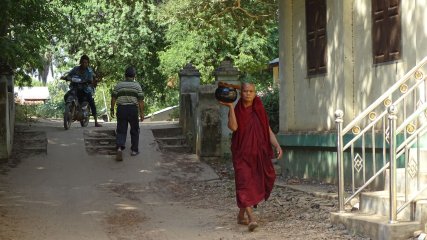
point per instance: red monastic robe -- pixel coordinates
(252, 154)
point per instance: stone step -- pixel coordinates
(100, 141)
(167, 132)
(178, 140)
(171, 139)
(421, 211)
(29, 135)
(33, 150)
(378, 203)
(107, 133)
(176, 148)
(103, 150)
(409, 186)
(42, 143)
(376, 226)
(31, 142)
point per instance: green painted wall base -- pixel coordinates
(309, 156)
(313, 156)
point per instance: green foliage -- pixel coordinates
(157, 37)
(174, 114)
(205, 32)
(270, 99)
(52, 108)
(26, 30)
(23, 113)
(116, 34)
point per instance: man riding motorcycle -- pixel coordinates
(85, 73)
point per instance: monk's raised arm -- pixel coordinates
(232, 121)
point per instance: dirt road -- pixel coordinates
(70, 194)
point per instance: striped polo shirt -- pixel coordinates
(127, 92)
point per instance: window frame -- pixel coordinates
(316, 37)
(386, 31)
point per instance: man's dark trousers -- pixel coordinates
(127, 114)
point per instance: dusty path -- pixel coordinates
(68, 194)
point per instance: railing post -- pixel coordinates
(392, 118)
(340, 162)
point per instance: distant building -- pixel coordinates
(274, 65)
(31, 95)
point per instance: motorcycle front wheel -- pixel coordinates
(68, 115)
(84, 122)
(85, 111)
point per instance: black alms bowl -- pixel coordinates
(226, 94)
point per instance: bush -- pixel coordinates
(49, 109)
(21, 113)
(270, 99)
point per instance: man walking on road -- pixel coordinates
(130, 99)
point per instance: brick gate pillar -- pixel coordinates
(7, 112)
(226, 72)
(188, 97)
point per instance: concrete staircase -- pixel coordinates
(168, 136)
(26, 143)
(30, 142)
(397, 122)
(100, 141)
(372, 217)
(171, 138)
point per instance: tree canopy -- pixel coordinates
(206, 32)
(26, 28)
(115, 34)
(157, 37)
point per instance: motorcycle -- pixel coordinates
(76, 104)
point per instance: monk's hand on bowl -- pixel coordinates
(226, 104)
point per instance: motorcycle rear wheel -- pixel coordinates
(68, 115)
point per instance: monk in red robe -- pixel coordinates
(251, 147)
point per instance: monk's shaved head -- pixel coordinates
(248, 93)
(246, 84)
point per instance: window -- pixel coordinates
(386, 30)
(315, 12)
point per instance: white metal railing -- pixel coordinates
(383, 133)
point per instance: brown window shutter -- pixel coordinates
(316, 36)
(386, 30)
(378, 19)
(395, 30)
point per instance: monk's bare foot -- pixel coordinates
(242, 221)
(252, 226)
(241, 217)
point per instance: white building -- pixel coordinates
(31, 95)
(339, 54)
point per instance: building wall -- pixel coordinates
(352, 82)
